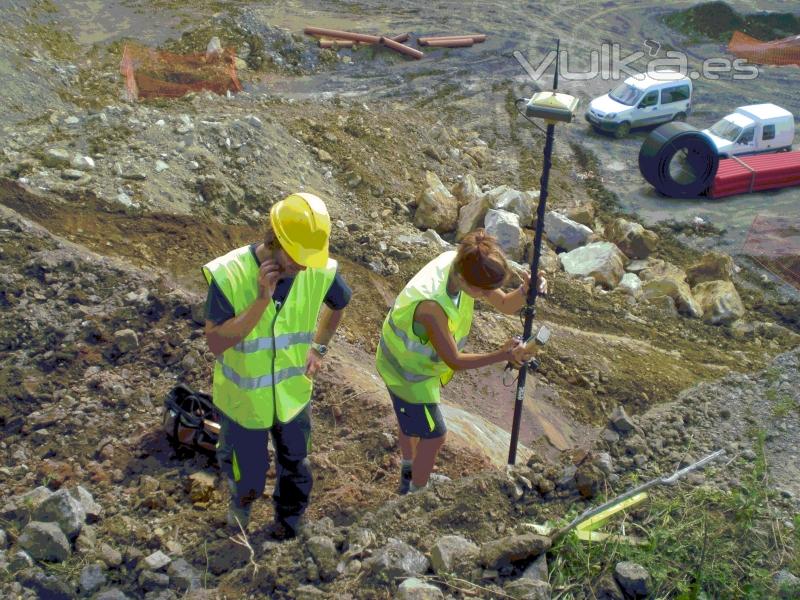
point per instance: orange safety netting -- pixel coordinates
(156, 74)
(774, 243)
(785, 51)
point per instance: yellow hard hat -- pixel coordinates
(302, 225)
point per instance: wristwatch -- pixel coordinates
(321, 349)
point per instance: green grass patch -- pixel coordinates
(696, 542)
(783, 404)
(717, 21)
(441, 92)
(59, 44)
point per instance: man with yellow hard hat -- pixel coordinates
(261, 323)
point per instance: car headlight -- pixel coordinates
(611, 115)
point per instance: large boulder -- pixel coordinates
(92, 577)
(787, 584)
(633, 579)
(471, 216)
(522, 204)
(505, 227)
(184, 576)
(325, 555)
(437, 208)
(719, 300)
(677, 289)
(653, 268)
(466, 191)
(565, 233)
(502, 552)
(631, 284)
(712, 266)
(454, 554)
(45, 586)
(583, 214)
(20, 508)
(601, 260)
(416, 589)
(548, 261)
(662, 278)
(528, 589)
(56, 158)
(633, 239)
(92, 509)
(396, 559)
(620, 420)
(45, 541)
(63, 509)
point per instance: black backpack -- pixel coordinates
(190, 419)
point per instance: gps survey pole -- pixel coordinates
(553, 108)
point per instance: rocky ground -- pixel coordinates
(660, 353)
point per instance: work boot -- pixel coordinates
(405, 479)
(280, 531)
(237, 512)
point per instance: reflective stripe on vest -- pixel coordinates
(419, 347)
(407, 375)
(281, 342)
(409, 366)
(262, 378)
(265, 381)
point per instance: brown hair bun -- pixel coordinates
(480, 261)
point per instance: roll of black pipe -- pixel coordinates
(678, 160)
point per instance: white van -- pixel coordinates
(753, 129)
(642, 100)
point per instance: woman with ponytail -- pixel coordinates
(423, 337)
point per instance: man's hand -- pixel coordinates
(268, 275)
(313, 363)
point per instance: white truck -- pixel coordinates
(753, 129)
(642, 100)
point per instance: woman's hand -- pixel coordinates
(526, 282)
(516, 352)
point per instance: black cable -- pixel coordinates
(534, 123)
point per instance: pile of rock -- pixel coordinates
(53, 526)
(503, 211)
(517, 561)
(621, 261)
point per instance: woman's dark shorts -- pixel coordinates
(419, 420)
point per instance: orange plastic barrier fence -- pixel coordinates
(156, 74)
(774, 242)
(785, 51)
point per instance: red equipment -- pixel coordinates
(756, 173)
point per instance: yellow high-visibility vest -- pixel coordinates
(263, 377)
(407, 362)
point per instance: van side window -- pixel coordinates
(675, 94)
(769, 132)
(747, 136)
(650, 99)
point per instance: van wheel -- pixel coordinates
(681, 116)
(623, 130)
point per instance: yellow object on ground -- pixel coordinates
(597, 521)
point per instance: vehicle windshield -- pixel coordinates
(727, 130)
(626, 94)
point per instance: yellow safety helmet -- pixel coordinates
(302, 225)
